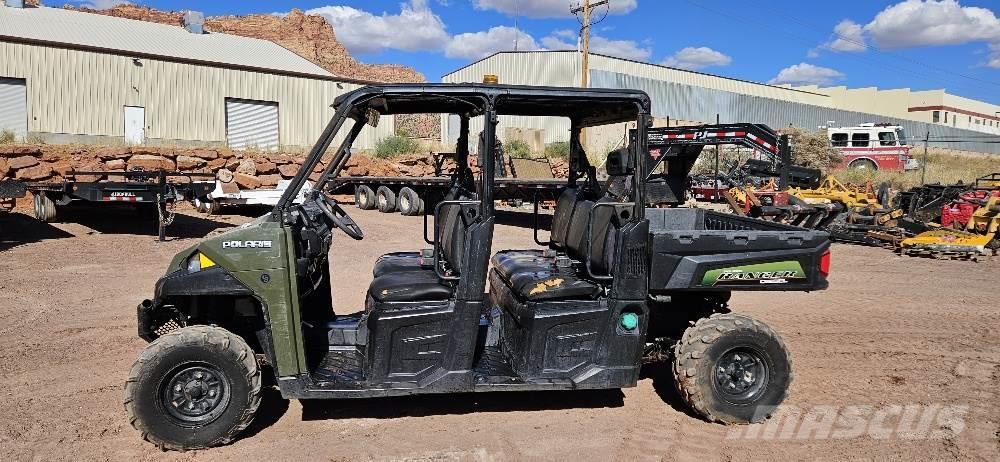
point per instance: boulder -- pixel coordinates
(246, 167)
(269, 180)
(14, 150)
(224, 175)
(314, 177)
(189, 163)
(281, 159)
(207, 154)
(115, 164)
(246, 181)
(52, 155)
(150, 162)
(113, 152)
(91, 167)
(22, 162)
(38, 172)
(4, 168)
(226, 154)
(264, 167)
(62, 167)
(215, 164)
(288, 170)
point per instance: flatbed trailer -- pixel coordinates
(11, 190)
(151, 190)
(522, 180)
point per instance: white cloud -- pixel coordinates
(915, 23)
(548, 8)
(848, 37)
(415, 28)
(806, 74)
(692, 58)
(628, 49)
(103, 4)
(475, 45)
(994, 60)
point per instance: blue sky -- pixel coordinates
(920, 44)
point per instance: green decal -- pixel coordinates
(781, 272)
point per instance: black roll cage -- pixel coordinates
(584, 108)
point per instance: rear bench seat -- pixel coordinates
(565, 277)
(561, 220)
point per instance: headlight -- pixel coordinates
(198, 262)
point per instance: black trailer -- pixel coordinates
(10, 190)
(154, 191)
(519, 180)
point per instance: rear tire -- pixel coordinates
(364, 197)
(385, 199)
(193, 388)
(45, 208)
(732, 369)
(409, 202)
(864, 164)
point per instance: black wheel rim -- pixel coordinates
(195, 394)
(741, 375)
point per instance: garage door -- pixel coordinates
(14, 106)
(252, 124)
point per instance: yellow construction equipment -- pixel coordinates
(832, 190)
(981, 236)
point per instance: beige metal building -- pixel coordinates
(74, 77)
(695, 97)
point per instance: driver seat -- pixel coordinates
(425, 285)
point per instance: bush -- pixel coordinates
(394, 146)
(557, 150)
(7, 136)
(812, 149)
(517, 148)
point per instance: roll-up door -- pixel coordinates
(251, 124)
(14, 107)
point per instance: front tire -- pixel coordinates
(193, 388)
(732, 369)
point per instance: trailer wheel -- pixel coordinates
(385, 199)
(193, 388)
(45, 208)
(409, 202)
(732, 369)
(364, 197)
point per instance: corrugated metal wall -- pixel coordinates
(680, 101)
(82, 93)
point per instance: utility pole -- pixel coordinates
(586, 8)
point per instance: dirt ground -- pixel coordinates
(890, 336)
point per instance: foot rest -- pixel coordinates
(347, 331)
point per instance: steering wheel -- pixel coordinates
(336, 214)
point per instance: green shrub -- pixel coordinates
(394, 146)
(517, 148)
(7, 136)
(557, 150)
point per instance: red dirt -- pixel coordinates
(889, 331)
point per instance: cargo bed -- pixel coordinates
(698, 250)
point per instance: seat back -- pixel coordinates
(576, 236)
(599, 247)
(562, 217)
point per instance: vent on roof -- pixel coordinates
(14, 3)
(194, 22)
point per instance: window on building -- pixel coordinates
(887, 138)
(860, 140)
(936, 116)
(838, 139)
(946, 117)
(252, 124)
(978, 122)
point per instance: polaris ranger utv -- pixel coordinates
(579, 314)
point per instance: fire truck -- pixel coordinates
(873, 147)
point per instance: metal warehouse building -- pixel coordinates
(75, 77)
(690, 96)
